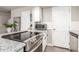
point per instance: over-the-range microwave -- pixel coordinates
(40, 26)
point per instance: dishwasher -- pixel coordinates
(73, 42)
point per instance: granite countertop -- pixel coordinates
(7, 45)
(10, 46)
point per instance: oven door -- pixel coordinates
(33, 43)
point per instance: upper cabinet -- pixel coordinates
(18, 11)
(25, 20)
(47, 14)
(36, 14)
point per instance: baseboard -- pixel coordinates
(62, 47)
(49, 44)
(57, 46)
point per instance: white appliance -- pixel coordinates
(61, 19)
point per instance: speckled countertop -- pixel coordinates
(7, 45)
(10, 46)
(75, 32)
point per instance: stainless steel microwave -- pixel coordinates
(39, 26)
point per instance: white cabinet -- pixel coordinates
(49, 39)
(47, 14)
(44, 42)
(36, 14)
(25, 20)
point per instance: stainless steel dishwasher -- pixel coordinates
(73, 42)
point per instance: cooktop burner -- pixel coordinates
(22, 36)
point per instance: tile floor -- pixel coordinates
(55, 49)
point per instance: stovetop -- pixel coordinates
(22, 36)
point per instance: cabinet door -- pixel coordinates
(36, 14)
(49, 39)
(44, 42)
(25, 20)
(73, 43)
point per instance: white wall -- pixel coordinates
(74, 25)
(74, 18)
(74, 13)
(17, 12)
(4, 17)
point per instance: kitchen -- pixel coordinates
(54, 22)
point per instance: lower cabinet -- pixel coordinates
(44, 42)
(73, 42)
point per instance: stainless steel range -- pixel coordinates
(32, 39)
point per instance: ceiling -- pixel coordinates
(9, 8)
